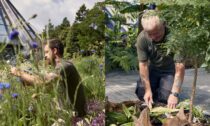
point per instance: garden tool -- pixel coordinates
(150, 104)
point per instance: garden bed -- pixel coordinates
(123, 113)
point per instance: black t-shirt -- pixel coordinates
(70, 80)
(156, 55)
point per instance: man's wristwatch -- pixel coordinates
(175, 94)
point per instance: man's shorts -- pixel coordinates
(161, 83)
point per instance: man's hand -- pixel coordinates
(148, 99)
(172, 101)
(15, 71)
(50, 77)
(178, 80)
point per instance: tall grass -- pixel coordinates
(38, 105)
(93, 68)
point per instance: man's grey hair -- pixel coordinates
(151, 20)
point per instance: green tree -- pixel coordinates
(49, 30)
(72, 45)
(62, 30)
(91, 31)
(189, 33)
(86, 33)
(120, 51)
(81, 14)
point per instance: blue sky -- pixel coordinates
(55, 10)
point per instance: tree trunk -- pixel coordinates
(193, 90)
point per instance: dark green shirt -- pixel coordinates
(70, 80)
(153, 52)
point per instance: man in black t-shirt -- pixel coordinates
(65, 72)
(70, 82)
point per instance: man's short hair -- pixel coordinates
(151, 19)
(56, 43)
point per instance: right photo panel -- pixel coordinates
(157, 61)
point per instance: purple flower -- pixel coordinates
(110, 25)
(15, 95)
(13, 34)
(152, 6)
(99, 120)
(93, 51)
(34, 44)
(94, 122)
(6, 85)
(75, 120)
(1, 86)
(94, 106)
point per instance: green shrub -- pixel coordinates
(92, 73)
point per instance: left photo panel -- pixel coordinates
(52, 65)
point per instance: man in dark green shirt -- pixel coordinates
(161, 75)
(65, 72)
(70, 83)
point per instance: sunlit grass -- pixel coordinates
(38, 105)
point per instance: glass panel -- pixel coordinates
(2, 30)
(3, 39)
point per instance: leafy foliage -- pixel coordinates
(189, 33)
(86, 33)
(38, 105)
(120, 49)
(94, 68)
(179, 2)
(81, 14)
(91, 31)
(157, 114)
(190, 36)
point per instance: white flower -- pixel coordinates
(59, 122)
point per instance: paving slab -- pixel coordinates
(120, 86)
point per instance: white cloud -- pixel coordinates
(55, 10)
